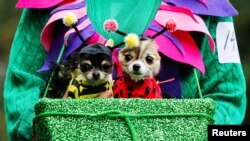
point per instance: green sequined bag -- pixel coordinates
(123, 119)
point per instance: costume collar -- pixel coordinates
(87, 89)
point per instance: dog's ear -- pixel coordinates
(54, 66)
(75, 57)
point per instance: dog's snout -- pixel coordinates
(136, 67)
(96, 75)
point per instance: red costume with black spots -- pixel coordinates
(124, 87)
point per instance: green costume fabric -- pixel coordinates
(139, 17)
(225, 83)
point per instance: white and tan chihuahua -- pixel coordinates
(139, 63)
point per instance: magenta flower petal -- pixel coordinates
(39, 4)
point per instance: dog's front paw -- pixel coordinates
(106, 94)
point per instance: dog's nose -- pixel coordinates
(136, 67)
(96, 75)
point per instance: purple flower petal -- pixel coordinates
(69, 7)
(221, 8)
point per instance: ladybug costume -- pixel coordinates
(124, 87)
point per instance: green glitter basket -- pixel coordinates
(123, 119)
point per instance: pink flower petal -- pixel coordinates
(37, 3)
(47, 37)
(185, 23)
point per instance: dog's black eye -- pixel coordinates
(85, 67)
(106, 66)
(128, 57)
(149, 59)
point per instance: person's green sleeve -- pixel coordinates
(22, 83)
(223, 82)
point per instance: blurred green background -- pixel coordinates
(9, 17)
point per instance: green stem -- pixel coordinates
(53, 72)
(198, 83)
